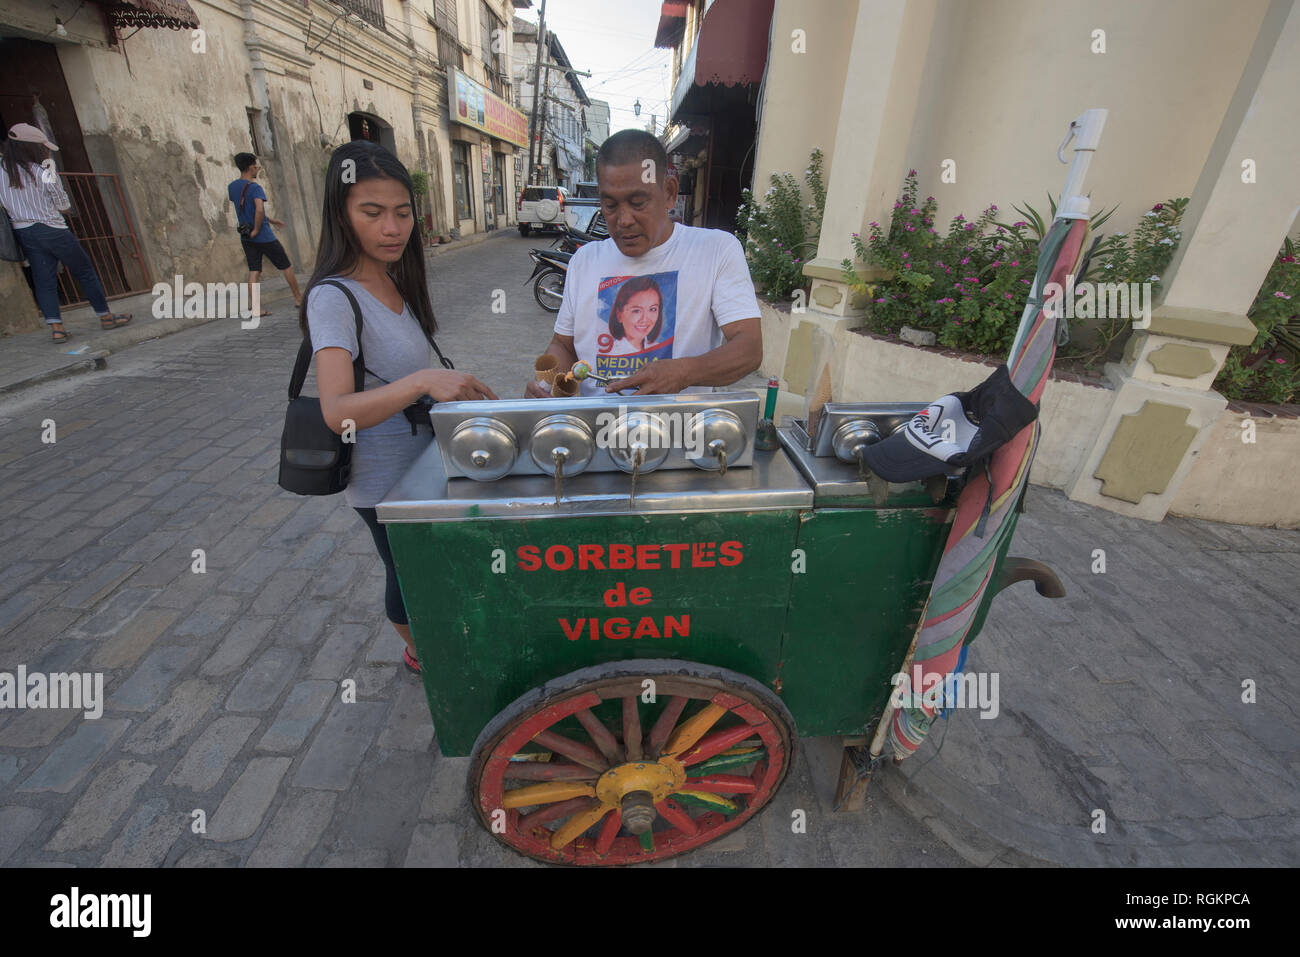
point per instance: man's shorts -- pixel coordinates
(253, 252)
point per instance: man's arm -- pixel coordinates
(562, 348)
(258, 214)
(736, 358)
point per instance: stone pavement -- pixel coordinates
(223, 688)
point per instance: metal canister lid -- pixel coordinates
(562, 432)
(643, 433)
(715, 431)
(852, 436)
(483, 448)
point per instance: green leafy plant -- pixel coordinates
(780, 231)
(1266, 370)
(420, 183)
(1140, 258)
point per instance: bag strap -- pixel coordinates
(303, 362)
(244, 192)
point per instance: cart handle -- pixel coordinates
(1026, 569)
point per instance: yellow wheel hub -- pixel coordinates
(659, 778)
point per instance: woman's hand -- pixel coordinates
(448, 385)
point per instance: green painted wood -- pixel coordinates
(485, 638)
(853, 612)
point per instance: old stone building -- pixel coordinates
(563, 134)
(149, 100)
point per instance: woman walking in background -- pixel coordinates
(34, 200)
(370, 244)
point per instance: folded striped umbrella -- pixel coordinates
(964, 572)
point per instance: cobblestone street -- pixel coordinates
(222, 688)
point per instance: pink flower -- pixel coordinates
(1281, 295)
(996, 264)
(1006, 295)
(1016, 263)
(1157, 207)
(1280, 362)
(911, 172)
(873, 226)
(915, 212)
(905, 255)
(970, 225)
(1020, 222)
(910, 228)
(880, 300)
(965, 261)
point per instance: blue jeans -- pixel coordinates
(47, 246)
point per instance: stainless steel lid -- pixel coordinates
(563, 440)
(721, 436)
(484, 448)
(639, 440)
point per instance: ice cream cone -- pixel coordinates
(544, 367)
(564, 385)
(820, 398)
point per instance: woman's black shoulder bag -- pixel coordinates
(314, 460)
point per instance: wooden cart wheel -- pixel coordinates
(629, 762)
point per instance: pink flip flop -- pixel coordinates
(409, 660)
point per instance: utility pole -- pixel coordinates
(533, 135)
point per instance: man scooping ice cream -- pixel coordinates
(658, 307)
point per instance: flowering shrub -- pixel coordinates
(1266, 370)
(967, 286)
(780, 232)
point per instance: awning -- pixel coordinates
(731, 49)
(168, 14)
(672, 20)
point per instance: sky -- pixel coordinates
(614, 40)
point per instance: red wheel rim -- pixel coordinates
(723, 721)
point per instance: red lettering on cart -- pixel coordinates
(565, 560)
(590, 555)
(647, 557)
(616, 629)
(530, 557)
(639, 596)
(621, 556)
(729, 553)
(702, 555)
(676, 552)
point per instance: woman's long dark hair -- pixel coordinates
(20, 154)
(339, 249)
(626, 292)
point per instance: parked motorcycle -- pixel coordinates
(551, 267)
(549, 272)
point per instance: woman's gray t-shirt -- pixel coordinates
(394, 346)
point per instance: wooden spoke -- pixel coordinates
(547, 793)
(631, 728)
(675, 816)
(550, 771)
(664, 726)
(554, 812)
(722, 784)
(693, 728)
(572, 749)
(602, 737)
(714, 743)
(575, 826)
(609, 831)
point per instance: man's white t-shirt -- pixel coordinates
(671, 302)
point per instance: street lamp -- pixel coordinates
(636, 107)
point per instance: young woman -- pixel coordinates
(370, 242)
(35, 200)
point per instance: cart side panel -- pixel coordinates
(853, 611)
(485, 637)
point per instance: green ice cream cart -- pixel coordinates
(627, 614)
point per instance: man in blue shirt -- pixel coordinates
(255, 226)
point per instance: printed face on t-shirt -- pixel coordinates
(639, 313)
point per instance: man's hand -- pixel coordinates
(278, 224)
(537, 390)
(660, 377)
